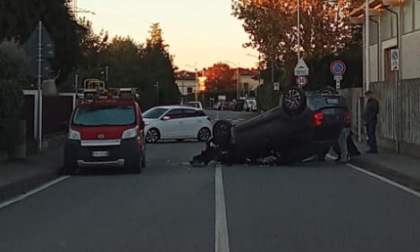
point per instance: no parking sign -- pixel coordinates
(338, 68)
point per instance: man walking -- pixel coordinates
(370, 116)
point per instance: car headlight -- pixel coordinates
(130, 133)
(73, 135)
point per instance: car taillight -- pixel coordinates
(348, 118)
(317, 119)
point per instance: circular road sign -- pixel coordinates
(338, 67)
(302, 81)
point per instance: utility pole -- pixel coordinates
(39, 91)
(157, 93)
(298, 28)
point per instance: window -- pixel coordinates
(189, 90)
(154, 113)
(417, 15)
(189, 112)
(389, 74)
(408, 16)
(104, 116)
(175, 113)
(386, 25)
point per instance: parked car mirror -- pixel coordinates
(165, 118)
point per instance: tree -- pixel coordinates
(220, 77)
(18, 19)
(158, 79)
(13, 63)
(273, 31)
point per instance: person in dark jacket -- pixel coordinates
(370, 117)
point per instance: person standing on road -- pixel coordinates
(370, 117)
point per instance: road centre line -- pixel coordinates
(221, 229)
(32, 192)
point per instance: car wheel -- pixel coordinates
(328, 90)
(152, 135)
(294, 100)
(221, 132)
(203, 135)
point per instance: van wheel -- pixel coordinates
(136, 167)
(69, 167)
(143, 161)
(294, 100)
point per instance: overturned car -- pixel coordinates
(303, 125)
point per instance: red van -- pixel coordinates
(105, 131)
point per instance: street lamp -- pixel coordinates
(237, 77)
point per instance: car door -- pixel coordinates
(191, 123)
(171, 124)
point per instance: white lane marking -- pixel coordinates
(32, 192)
(388, 181)
(221, 229)
(381, 178)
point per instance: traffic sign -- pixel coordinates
(302, 81)
(301, 68)
(395, 60)
(338, 67)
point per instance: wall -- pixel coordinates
(393, 125)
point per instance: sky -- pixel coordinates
(199, 33)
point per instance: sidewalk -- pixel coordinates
(400, 168)
(20, 176)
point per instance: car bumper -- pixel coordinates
(124, 154)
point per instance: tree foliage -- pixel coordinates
(272, 27)
(220, 77)
(13, 65)
(18, 19)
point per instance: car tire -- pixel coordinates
(328, 90)
(294, 100)
(135, 167)
(152, 135)
(69, 169)
(143, 161)
(204, 134)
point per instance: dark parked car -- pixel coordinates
(303, 125)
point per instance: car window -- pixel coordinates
(190, 112)
(99, 116)
(199, 113)
(154, 113)
(175, 113)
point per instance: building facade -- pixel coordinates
(392, 71)
(394, 24)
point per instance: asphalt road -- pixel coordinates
(318, 206)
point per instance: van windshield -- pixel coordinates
(102, 116)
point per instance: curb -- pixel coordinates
(28, 183)
(396, 176)
(23, 186)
